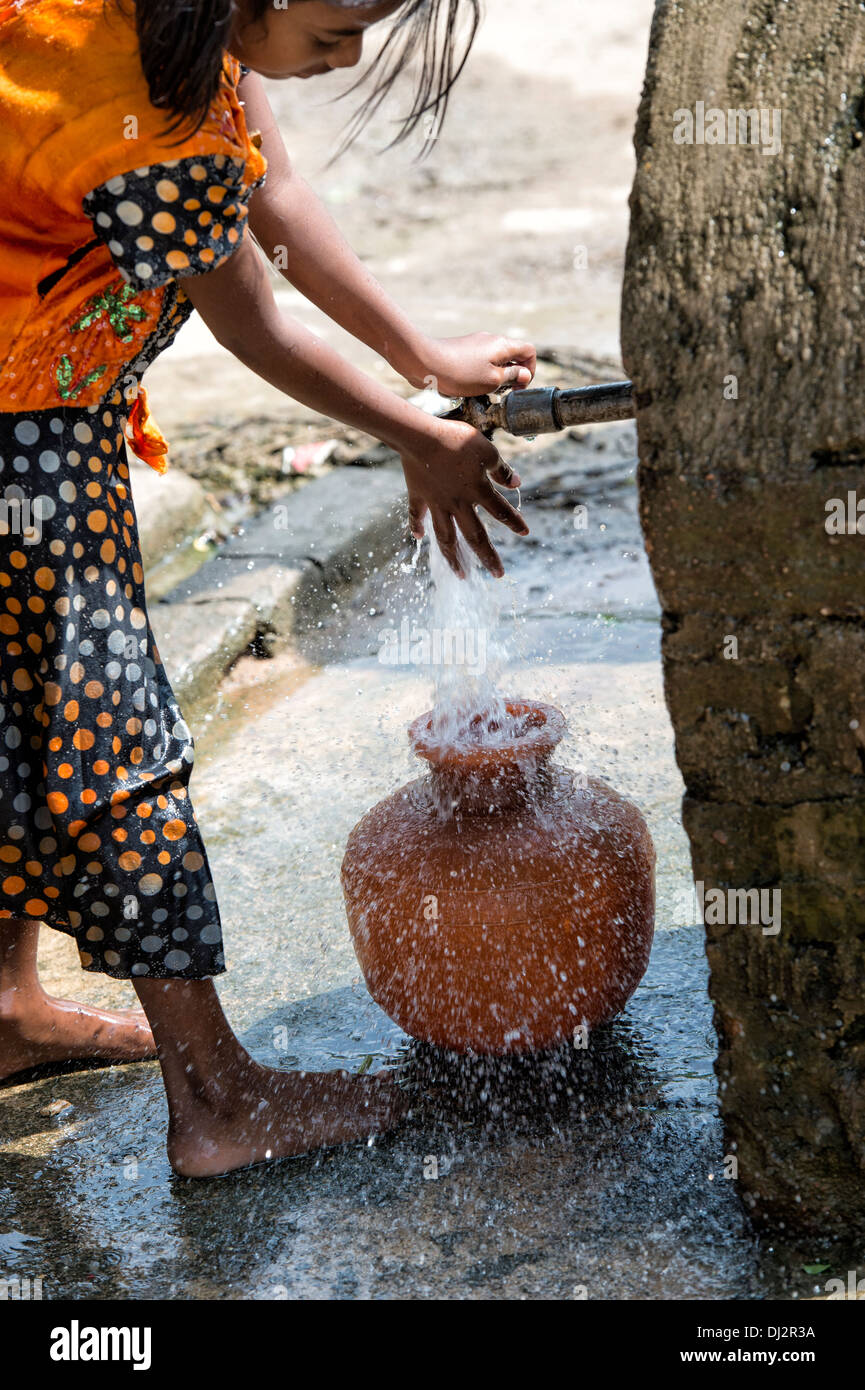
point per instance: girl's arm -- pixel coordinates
(300, 238)
(448, 465)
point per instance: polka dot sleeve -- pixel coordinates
(180, 217)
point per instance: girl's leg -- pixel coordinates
(35, 1029)
(226, 1111)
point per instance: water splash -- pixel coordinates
(411, 567)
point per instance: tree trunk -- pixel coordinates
(742, 329)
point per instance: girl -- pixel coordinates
(134, 150)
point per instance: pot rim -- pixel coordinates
(548, 728)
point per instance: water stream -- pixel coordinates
(465, 616)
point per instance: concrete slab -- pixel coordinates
(198, 643)
(280, 572)
(170, 509)
(332, 522)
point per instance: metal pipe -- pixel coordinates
(545, 410)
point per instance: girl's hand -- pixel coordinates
(449, 479)
(474, 365)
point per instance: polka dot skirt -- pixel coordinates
(97, 832)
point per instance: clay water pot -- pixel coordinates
(496, 904)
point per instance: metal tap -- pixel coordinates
(543, 410)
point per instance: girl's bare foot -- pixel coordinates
(36, 1029)
(226, 1111)
(262, 1114)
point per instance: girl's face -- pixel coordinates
(306, 38)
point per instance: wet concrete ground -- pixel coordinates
(595, 1174)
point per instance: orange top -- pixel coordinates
(75, 113)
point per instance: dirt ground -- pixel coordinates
(516, 222)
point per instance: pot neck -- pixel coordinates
(488, 790)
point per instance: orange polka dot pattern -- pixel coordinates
(98, 836)
(179, 217)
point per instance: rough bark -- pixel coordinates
(747, 265)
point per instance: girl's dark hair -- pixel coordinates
(182, 48)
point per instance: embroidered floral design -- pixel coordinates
(63, 376)
(114, 304)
